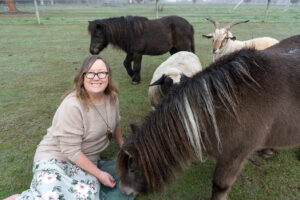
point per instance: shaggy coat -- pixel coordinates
(139, 36)
(244, 102)
(170, 72)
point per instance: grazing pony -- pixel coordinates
(178, 66)
(139, 36)
(245, 101)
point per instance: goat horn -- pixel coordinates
(217, 25)
(228, 26)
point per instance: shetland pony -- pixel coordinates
(244, 102)
(139, 36)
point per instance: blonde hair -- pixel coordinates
(78, 86)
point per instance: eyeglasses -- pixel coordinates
(91, 75)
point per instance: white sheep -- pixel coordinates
(179, 65)
(224, 42)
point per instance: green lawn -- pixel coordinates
(38, 64)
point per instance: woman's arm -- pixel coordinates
(105, 178)
(118, 135)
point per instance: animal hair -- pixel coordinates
(118, 28)
(178, 131)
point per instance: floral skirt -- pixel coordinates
(56, 179)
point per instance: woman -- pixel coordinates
(65, 162)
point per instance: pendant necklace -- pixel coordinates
(109, 132)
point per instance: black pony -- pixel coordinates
(244, 102)
(139, 36)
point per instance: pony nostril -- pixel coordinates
(94, 51)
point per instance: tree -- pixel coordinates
(156, 8)
(287, 5)
(267, 9)
(11, 6)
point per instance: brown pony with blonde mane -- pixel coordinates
(139, 36)
(244, 102)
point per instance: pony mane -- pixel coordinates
(184, 125)
(118, 28)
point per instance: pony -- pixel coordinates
(178, 66)
(244, 102)
(139, 36)
(289, 45)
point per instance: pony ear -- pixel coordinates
(100, 26)
(134, 128)
(208, 36)
(127, 153)
(160, 81)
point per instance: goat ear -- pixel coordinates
(233, 38)
(160, 81)
(207, 36)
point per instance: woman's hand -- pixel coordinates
(106, 179)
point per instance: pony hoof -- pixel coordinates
(134, 83)
(266, 153)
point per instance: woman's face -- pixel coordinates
(95, 86)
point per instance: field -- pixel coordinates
(38, 64)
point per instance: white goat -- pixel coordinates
(179, 65)
(224, 42)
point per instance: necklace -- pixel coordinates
(109, 132)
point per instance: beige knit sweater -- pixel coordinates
(75, 129)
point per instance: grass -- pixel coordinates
(38, 64)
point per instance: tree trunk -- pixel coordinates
(267, 10)
(37, 12)
(287, 5)
(156, 7)
(11, 6)
(238, 4)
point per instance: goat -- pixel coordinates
(224, 42)
(172, 71)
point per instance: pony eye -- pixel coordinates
(132, 170)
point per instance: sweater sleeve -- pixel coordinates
(118, 117)
(68, 129)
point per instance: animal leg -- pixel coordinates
(173, 50)
(127, 64)
(136, 78)
(225, 174)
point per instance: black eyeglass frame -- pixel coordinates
(96, 73)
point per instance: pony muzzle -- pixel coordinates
(127, 190)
